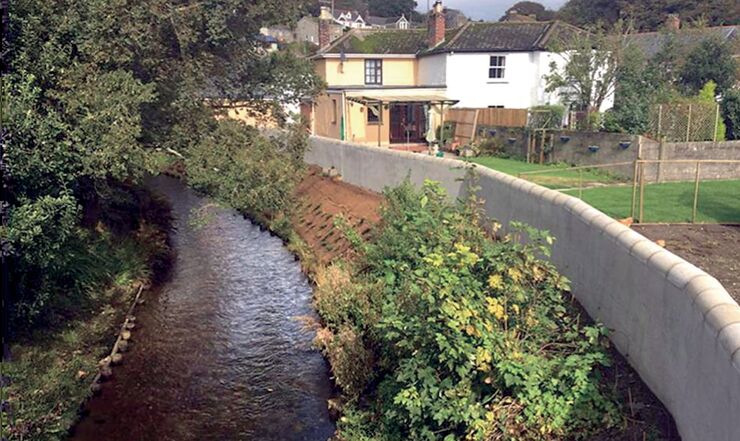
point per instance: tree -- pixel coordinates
(91, 88)
(731, 113)
(588, 72)
(649, 15)
(531, 8)
(713, 61)
(395, 8)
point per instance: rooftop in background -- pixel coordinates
(472, 37)
(652, 42)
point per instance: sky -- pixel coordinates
(485, 9)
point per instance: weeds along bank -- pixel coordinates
(68, 302)
(437, 329)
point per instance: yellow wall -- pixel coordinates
(359, 131)
(325, 107)
(396, 72)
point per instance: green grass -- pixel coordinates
(719, 201)
(558, 177)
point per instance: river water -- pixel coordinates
(220, 352)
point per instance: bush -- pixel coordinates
(474, 337)
(731, 113)
(547, 117)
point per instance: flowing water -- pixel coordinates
(220, 352)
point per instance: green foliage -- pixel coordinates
(385, 8)
(712, 60)
(246, 170)
(731, 113)
(708, 95)
(547, 116)
(649, 15)
(531, 8)
(472, 337)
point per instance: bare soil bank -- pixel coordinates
(713, 248)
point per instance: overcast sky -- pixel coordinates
(485, 9)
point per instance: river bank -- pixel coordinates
(53, 367)
(326, 252)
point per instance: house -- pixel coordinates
(350, 19)
(307, 30)
(388, 22)
(390, 86)
(651, 43)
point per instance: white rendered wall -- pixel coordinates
(467, 80)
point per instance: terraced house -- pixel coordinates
(391, 86)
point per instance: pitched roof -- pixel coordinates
(652, 42)
(473, 37)
(380, 41)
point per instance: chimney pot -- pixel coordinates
(673, 22)
(436, 25)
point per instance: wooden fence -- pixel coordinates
(468, 120)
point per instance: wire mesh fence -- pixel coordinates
(685, 122)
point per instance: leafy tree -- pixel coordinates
(394, 8)
(713, 61)
(649, 15)
(91, 88)
(531, 8)
(731, 113)
(587, 76)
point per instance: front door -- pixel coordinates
(407, 123)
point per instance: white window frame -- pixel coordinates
(497, 67)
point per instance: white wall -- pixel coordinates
(676, 325)
(522, 86)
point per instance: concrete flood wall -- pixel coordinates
(676, 325)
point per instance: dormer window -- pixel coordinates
(374, 71)
(496, 67)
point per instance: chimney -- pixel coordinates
(325, 20)
(436, 25)
(673, 22)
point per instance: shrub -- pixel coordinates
(731, 113)
(547, 116)
(474, 336)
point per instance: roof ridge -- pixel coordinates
(455, 37)
(336, 42)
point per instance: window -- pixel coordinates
(373, 71)
(496, 66)
(374, 114)
(495, 107)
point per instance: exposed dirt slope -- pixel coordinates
(322, 199)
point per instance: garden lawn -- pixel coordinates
(558, 176)
(719, 201)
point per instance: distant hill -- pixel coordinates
(650, 15)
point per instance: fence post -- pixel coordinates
(716, 123)
(696, 193)
(642, 191)
(634, 190)
(688, 125)
(660, 120)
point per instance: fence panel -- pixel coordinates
(467, 119)
(684, 122)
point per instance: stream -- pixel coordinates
(220, 351)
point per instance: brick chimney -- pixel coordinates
(325, 20)
(436, 25)
(673, 22)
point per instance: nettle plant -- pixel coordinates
(475, 338)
